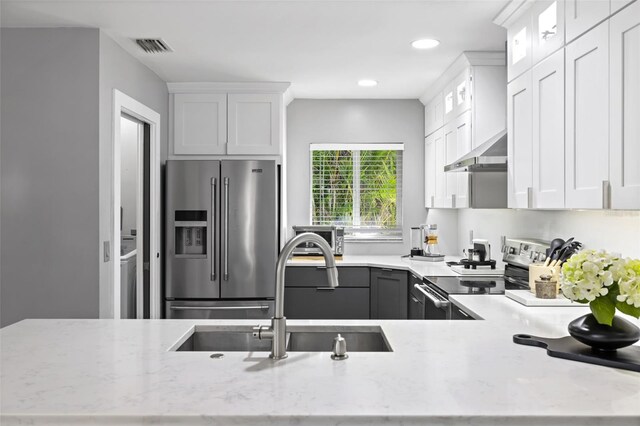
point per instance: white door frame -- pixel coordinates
(126, 104)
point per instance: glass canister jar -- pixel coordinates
(431, 240)
(416, 241)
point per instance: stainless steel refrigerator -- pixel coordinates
(221, 238)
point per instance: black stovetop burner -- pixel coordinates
(474, 284)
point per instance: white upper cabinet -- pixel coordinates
(200, 123)
(582, 15)
(254, 124)
(587, 118)
(430, 171)
(440, 176)
(519, 49)
(216, 119)
(450, 140)
(548, 132)
(465, 107)
(489, 106)
(625, 108)
(548, 28)
(587, 107)
(520, 165)
(463, 141)
(434, 114)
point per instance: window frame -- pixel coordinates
(356, 233)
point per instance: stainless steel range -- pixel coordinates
(517, 254)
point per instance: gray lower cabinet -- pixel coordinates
(307, 295)
(389, 294)
(319, 303)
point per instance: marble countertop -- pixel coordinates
(121, 372)
(418, 267)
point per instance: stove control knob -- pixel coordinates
(512, 250)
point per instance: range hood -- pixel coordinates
(491, 156)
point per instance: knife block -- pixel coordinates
(537, 269)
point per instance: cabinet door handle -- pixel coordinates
(322, 268)
(433, 201)
(386, 269)
(414, 300)
(529, 197)
(606, 194)
(463, 313)
(325, 288)
(453, 201)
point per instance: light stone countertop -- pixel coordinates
(418, 267)
(62, 372)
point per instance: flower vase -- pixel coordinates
(602, 337)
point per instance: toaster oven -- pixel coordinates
(334, 235)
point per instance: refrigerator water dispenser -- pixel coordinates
(191, 233)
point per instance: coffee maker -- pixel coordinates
(424, 243)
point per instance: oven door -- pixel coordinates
(435, 306)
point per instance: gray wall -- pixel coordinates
(49, 107)
(353, 121)
(119, 70)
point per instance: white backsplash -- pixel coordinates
(615, 231)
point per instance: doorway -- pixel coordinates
(134, 217)
(136, 210)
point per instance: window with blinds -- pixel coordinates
(358, 186)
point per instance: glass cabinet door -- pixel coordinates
(548, 27)
(519, 47)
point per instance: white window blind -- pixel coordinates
(358, 186)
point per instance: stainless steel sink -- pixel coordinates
(224, 340)
(320, 339)
(299, 339)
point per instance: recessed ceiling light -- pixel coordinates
(367, 83)
(425, 43)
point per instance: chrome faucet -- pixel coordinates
(278, 329)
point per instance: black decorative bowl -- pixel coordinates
(601, 337)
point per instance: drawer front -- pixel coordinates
(316, 276)
(339, 303)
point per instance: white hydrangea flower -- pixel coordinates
(629, 282)
(586, 275)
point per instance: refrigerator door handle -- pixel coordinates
(214, 183)
(226, 229)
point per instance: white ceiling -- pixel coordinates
(322, 47)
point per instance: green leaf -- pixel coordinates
(625, 308)
(603, 309)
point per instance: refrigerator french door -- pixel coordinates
(221, 238)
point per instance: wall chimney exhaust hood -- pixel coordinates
(491, 156)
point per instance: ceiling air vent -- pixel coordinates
(153, 45)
